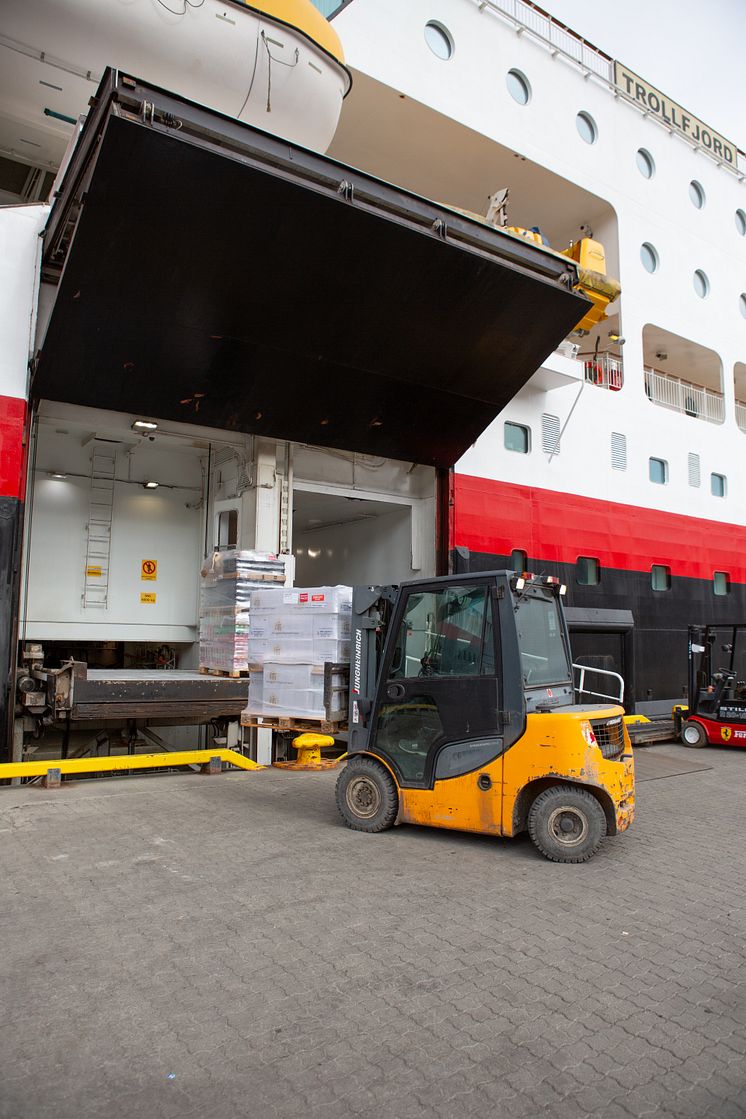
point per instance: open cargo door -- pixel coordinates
(210, 272)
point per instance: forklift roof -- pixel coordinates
(212, 273)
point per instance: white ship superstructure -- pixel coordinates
(615, 466)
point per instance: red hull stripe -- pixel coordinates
(498, 517)
(12, 424)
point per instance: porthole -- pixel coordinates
(742, 303)
(649, 257)
(645, 163)
(519, 86)
(586, 127)
(741, 222)
(439, 40)
(697, 194)
(701, 283)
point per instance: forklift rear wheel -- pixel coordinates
(366, 796)
(693, 734)
(566, 824)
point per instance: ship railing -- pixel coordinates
(683, 396)
(605, 370)
(581, 690)
(560, 38)
(741, 415)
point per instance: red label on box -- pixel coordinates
(303, 598)
(317, 597)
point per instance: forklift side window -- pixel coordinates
(447, 632)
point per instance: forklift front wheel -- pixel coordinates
(566, 824)
(693, 734)
(366, 796)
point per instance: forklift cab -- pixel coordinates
(462, 703)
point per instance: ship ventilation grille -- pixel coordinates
(550, 433)
(618, 451)
(693, 470)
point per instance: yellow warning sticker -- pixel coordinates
(94, 572)
(147, 596)
(149, 570)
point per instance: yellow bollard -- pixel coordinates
(309, 757)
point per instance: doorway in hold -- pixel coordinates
(355, 539)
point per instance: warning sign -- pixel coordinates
(149, 570)
(94, 572)
(146, 596)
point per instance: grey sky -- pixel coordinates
(691, 50)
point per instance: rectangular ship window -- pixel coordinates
(587, 571)
(518, 560)
(721, 582)
(718, 485)
(660, 577)
(517, 438)
(658, 471)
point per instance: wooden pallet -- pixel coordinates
(219, 672)
(288, 724)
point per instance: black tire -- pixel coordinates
(367, 797)
(566, 824)
(693, 734)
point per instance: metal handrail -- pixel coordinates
(581, 690)
(561, 39)
(683, 396)
(605, 370)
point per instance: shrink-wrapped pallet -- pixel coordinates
(300, 625)
(229, 579)
(293, 633)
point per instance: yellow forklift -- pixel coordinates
(463, 715)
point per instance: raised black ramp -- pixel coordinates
(215, 274)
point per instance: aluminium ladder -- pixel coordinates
(100, 514)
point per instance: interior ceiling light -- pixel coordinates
(57, 474)
(150, 485)
(144, 425)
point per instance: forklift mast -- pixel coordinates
(716, 653)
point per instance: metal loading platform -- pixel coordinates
(93, 704)
(81, 694)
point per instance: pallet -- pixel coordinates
(242, 675)
(659, 730)
(288, 724)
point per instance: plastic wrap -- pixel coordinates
(229, 579)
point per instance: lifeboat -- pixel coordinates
(276, 64)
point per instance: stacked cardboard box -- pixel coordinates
(293, 633)
(229, 580)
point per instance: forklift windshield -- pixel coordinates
(544, 653)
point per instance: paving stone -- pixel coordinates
(175, 948)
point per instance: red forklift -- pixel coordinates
(716, 714)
